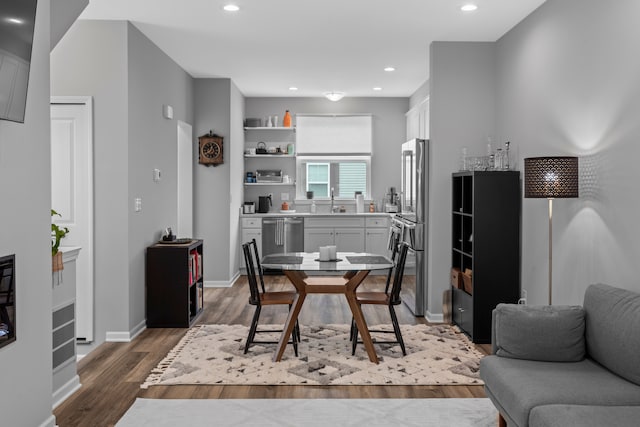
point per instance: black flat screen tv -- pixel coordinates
(17, 21)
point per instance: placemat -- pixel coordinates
(282, 259)
(369, 259)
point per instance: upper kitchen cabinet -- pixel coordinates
(270, 149)
(418, 121)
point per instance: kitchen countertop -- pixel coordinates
(323, 214)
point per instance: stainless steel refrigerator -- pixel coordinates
(411, 223)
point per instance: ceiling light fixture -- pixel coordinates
(231, 8)
(389, 69)
(469, 7)
(377, 88)
(293, 88)
(15, 21)
(334, 96)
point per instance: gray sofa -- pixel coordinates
(567, 365)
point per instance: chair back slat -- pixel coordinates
(398, 274)
(254, 298)
(258, 265)
(394, 253)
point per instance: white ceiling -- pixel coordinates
(317, 46)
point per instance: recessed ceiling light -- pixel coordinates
(334, 96)
(469, 7)
(15, 21)
(231, 8)
(293, 88)
(389, 69)
(377, 88)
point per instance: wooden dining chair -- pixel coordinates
(389, 298)
(259, 297)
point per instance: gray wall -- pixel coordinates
(462, 113)
(236, 172)
(154, 79)
(389, 129)
(569, 84)
(25, 173)
(212, 195)
(129, 79)
(63, 15)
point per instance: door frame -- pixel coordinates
(86, 291)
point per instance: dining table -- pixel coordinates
(354, 268)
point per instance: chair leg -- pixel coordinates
(396, 329)
(253, 328)
(354, 336)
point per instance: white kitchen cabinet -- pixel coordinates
(251, 229)
(347, 233)
(316, 237)
(377, 235)
(418, 121)
(349, 239)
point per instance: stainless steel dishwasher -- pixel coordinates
(282, 234)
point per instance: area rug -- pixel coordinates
(213, 354)
(310, 412)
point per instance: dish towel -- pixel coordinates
(280, 232)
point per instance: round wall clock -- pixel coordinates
(211, 152)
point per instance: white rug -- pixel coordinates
(310, 412)
(213, 354)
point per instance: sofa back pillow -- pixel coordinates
(543, 333)
(613, 329)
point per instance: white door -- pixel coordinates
(185, 180)
(72, 194)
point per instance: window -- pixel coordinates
(345, 174)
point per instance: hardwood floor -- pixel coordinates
(111, 375)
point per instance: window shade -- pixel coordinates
(333, 134)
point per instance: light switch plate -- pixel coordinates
(284, 196)
(157, 175)
(137, 204)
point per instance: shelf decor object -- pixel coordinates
(551, 178)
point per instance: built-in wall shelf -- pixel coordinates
(270, 128)
(271, 156)
(252, 184)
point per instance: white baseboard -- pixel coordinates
(434, 317)
(49, 422)
(65, 391)
(126, 336)
(221, 283)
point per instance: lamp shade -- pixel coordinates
(550, 177)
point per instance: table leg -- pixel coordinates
(356, 310)
(297, 281)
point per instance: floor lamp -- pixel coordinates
(550, 178)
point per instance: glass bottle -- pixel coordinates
(313, 207)
(499, 159)
(286, 121)
(505, 162)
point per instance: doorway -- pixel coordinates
(185, 180)
(72, 194)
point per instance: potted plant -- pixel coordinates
(57, 233)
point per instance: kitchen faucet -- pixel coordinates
(332, 207)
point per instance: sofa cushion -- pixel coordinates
(584, 416)
(545, 333)
(521, 385)
(613, 329)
